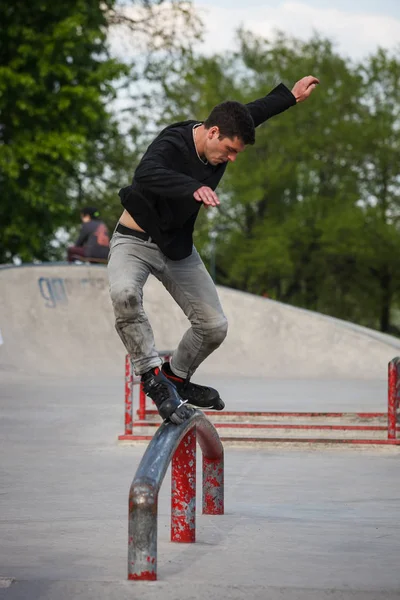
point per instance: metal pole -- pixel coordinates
(183, 490)
(143, 494)
(142, 532)
(393, 397)
(213, 486)
(142, 403)
(128, 395)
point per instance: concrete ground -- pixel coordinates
(300, 523)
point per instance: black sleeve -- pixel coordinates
(83, 234)
(159, 170)
(280, 99)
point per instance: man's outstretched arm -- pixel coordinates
(280, 99)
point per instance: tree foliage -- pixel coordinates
(61, 143)
(310, 213)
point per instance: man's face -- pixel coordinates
(220, 149)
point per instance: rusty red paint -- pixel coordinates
(151, 559)
(213, 486)
(143, 576)
(255, 415)
(310, 440)
(142, 403)
(228, 413)
(253, 439)
(368, 415)
(135, 438)
(213, 481)
(294, 426)
(183, 494)
(176, 444)
(393, 397)
(128, 395)
(280, 426)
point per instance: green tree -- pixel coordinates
(380, 182)
(309, 214)
(61, 143)
(55, 80)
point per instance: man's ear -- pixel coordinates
(213, 132)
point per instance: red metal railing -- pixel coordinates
(176, 443)
(393, 397)
(128, 395)
(229, 420)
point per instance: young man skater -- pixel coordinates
(178, 173)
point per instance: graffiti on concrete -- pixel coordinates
(56, 290)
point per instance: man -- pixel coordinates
(93, 241)
(178, 173)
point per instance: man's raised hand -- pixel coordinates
(207, 196)
(303, 88)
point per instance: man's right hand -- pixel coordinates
(303, 88)
(207, 196)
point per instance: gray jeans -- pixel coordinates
(189, 283)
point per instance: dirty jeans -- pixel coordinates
(131, 260)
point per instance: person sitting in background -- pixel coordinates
(93, 241)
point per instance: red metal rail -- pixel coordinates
(176, 443)
(283, 426)
(392, 415)
(393, 397)
(282, 440)
(254, 414)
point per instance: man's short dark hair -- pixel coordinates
(233, 120)
(90, 211)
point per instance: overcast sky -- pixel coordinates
(357, 27)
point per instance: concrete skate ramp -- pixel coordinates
(58, 319)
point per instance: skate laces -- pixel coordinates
(162, 391)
